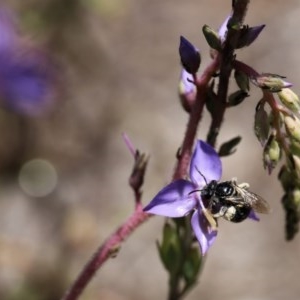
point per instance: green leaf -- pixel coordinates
(228, 147)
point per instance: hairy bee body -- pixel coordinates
(231, 201)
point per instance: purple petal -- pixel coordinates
(203, 232)
(174, 200)
(207, 161)
(223, 29)
(189, 55)
(253, 216)
(186, 85)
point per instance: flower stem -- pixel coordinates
(239, 11)
(183, 162)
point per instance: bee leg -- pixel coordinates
(244, 185)
(221, 212)
(210, 218)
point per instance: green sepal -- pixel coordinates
(237, 97)
(229, 147)
(242, 80)
(261, 124)
(271, 154)
(290, 202)
(211, 99)
(170, 249)
(191, 266)
(212, 38)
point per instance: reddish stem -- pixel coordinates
(195, 117)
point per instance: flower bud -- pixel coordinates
(212, 38)
(295, 147)
(272, 82)
(292, 127)
(291, 201)
(189, 55)
(286, 177)
(248, 35)
(272, 154)
(187, 90)
(289, 99)
(296, 161)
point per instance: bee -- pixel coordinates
(232, 201)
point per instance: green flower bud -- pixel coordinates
(212, 38)
(272, 82)
(295, 148)
(285, 176)
(272, 154)
(292, 127)
(296, 161)
(296, 198)
(291, 201)
(289, 99)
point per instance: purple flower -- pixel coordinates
(180, 197)
(26, 73)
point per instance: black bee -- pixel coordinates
(232, 201)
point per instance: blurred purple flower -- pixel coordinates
(27, 76)
(180, 198)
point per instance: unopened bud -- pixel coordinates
(272, 82)
(136, 179)
(290, 203)
(286, 177)
(295, 147)
(187, 90)
(296, 161)
(292, 127)
(296, 197)
(289, 99)
(212, 37)
(248, 35)
(272, 154)
(189, 55)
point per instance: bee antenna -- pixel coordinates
(201, 175)
(194, 191)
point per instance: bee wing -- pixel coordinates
(257, 203)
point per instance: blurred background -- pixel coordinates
(74, 75)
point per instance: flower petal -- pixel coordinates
(253, 216)
(223, 29)
(204, 234)
(207, 161)
(174, 200)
